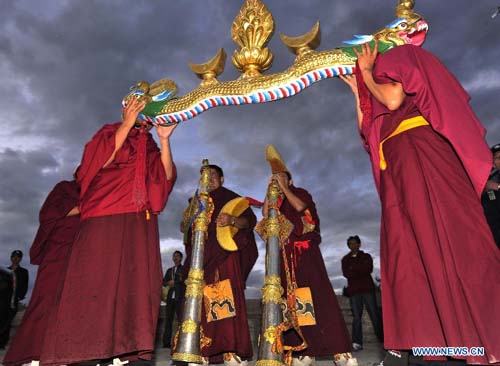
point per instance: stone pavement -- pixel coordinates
(371, 355)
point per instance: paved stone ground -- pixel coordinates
(371, 355)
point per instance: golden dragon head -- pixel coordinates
(408, 28)
(155, 96)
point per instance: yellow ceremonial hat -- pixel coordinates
(275, 160)
(225, 234)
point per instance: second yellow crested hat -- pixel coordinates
(225, 234)
(275, 160)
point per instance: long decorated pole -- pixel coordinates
(272, 291)
(274, 228)
(189, 338)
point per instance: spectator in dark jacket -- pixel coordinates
(6, 303)
(357, 267)
(491, 196)
(173, 279)
(20, 288)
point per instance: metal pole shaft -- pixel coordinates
(272, 291)
(187, 347)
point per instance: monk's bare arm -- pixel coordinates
(164, 134)
(130, 113)
(265, 208)
(295, 201)
(391, 94)
(74, 211)
(352, 82)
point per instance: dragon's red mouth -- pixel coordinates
(417, 36)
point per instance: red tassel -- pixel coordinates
(298, 248)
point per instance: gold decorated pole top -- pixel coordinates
(273, 191)
(205, 176)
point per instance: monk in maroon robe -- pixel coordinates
(329, 336)
(111, 295)
(230, 337)
(59, 222)
(439, 263)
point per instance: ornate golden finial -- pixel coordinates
(209, 71)
(252, 29)
(404, 9)
(305, 43)
(205, 173)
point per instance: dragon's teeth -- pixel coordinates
(422, 27)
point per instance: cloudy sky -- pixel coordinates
(65, 66)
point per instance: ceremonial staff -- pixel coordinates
(189, 338)
(274, 229)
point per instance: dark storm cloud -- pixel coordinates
(65, 67)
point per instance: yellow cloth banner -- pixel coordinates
(219, 301)
(305, 307)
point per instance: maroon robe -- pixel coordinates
(439, 264)
(330, 335)
(111, 295)
(50, 251)
(230, 335)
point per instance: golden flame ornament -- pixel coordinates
(252, 29)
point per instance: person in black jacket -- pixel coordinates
(357, 267)
(6, 303)
(19, 290)
(491, 196)
(173, 279)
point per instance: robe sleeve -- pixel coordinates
(159, 187)
(96, 153)
(370, 127)
(60, 201)
(296, 217)
(443, 103)
(247, 246)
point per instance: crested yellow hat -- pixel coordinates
(225, 234)
(275, 160)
